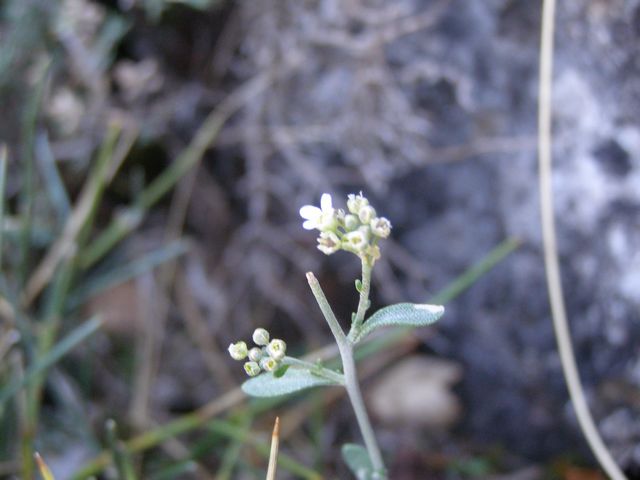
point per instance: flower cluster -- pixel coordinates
(266, 356)
(357, 230)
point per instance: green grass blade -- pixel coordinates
(52, 180)
(473, 274)
(119, 453)
(126, 272)
(28, 193)
(184, 469)
(72, 340)
(233, 450)
(3, 183)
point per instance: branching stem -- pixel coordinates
(345, 347)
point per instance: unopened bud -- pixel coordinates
(351, 222)
(260, 336)
(238, 350)
(381, 227)
(276, 349)
(252, 368)
(366, 214)
(255, 354)
(268, 364)
(356, 202)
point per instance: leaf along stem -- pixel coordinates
(315, 368)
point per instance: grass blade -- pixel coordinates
(130, 270)
(45, 472)
(3, 183)
(52, 181)
(119, 453)
(72, 340)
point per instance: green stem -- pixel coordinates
(353, 389)
(348, 364)
(315, 368)
(334, 325)
(363, 303)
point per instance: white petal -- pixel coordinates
(310, 212)
(325, 202)
(309, 225)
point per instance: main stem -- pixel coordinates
(353, 389)
(349, 366)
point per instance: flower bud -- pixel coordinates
(381, 227)
(366, 214)
(276, 349)
(255, 354)
(357, 240)
(252, 368)
(356, 202)
(328, 243)
(260, 336)
(268, 364)
(238, 350)
(351, 222)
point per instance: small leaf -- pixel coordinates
(402, 314)
(358, 285)
(358, 461)
(266, 385)
(281, 370)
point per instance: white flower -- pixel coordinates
(255, 354)
(357, 240)
(328, 243)
(238, 350)
(323, 218)
(366, 214)
(260, 336)
(381, 227)
(268, 364)
(252, 368)
(276, 349)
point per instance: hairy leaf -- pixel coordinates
(358, 461)
(294, 380)
(402, 315)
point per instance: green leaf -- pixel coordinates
(266, 385)
(358, 461)
(358, 285)
(401, 315)
(281, 371)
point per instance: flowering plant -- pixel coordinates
(357, 230)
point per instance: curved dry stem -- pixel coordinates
(552, 267)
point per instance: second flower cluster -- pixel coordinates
(266, 356)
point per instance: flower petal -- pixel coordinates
(325, 202)
(309, 212)
(309, 224)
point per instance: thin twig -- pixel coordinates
(552, 264)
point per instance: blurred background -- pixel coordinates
(158, 153)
